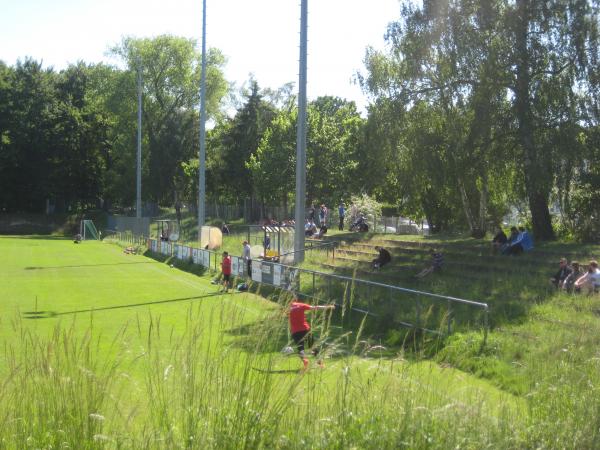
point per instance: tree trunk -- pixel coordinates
(483, 199)
(466, 205)
(537, 193)
(177, 207)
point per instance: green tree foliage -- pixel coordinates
(170, 69)
(502, 79)
(273, 164)
(52, 140)
(333, 140)
(233, 143)
(581, 195)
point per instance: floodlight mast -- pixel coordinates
(301, 139)
(202, 153)
(138, 202)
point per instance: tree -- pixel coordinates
(441, 55)
(333, 134)
(171, 72)
(273, 165)
(29, 126)
(553, 41)
(238, 139)
(468, 59)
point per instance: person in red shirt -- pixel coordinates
(300, 328)
(226, 270)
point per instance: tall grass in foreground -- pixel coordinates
(155, 388)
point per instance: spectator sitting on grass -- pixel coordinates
(590, 281)
(563, 272)
(322, 231)
(310, 228)
(499, 241)
(514, 234)
(382, 259)
(576, 273)
(522, 243)
(437, 261)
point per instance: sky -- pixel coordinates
(259, 37)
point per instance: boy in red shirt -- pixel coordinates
(226, 270)
(300, 328)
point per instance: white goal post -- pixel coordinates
(88, 230)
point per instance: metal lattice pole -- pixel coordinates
(301, 139)
(202, 152)
(138, 201)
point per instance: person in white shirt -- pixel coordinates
(246, 257)
(589, 282)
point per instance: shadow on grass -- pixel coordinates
(266, 335)
(184, 265)
(43, 237)
(276, 371)
(86, 265)
(50, 314)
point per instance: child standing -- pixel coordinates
(226, 271)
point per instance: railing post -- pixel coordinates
(418, 318)
(485, 324)
(449, 317)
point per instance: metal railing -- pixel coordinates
(420, 310)
(366, 295)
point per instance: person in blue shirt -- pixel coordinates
(342, 214)
(523, 243)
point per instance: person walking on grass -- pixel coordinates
(226, 271)
(300, 328)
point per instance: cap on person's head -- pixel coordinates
(594, 263)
